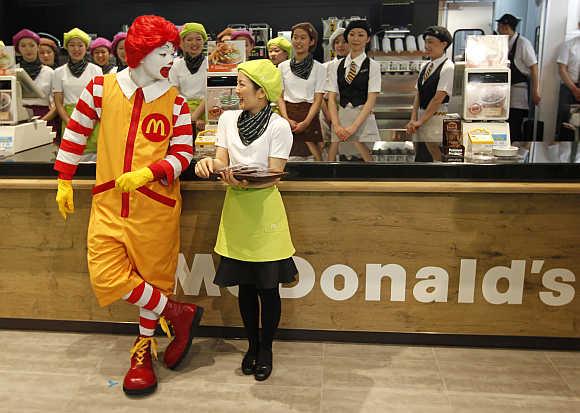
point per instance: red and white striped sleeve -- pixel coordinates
(79, 128)
(180, 152)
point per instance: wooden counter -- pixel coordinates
(374, 257)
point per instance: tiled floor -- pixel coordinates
(56, 372)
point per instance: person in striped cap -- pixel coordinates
(145, 142)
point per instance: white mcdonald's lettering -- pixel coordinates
(432, 287)
(156, 124)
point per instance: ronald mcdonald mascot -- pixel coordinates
(144, 143)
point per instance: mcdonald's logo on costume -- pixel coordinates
(156, 127)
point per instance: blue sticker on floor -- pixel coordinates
(112, 383)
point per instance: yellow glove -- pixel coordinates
(130, 181)
(64, 198)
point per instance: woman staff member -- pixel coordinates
(434, 87)
(26, 43)
(248, 38)
(118, 46)
(279, 50)
(71, 79)
(354, 84)
(101, 52)
(254, 239)
(340, 47)
(304, 81)
(189, 73)
(48, 52)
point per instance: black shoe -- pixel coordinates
(249, 364)
(263, 367)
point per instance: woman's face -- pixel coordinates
(192, 44)
(302, 42)
(28, 49)
(277, 55)
(251, 99)
(101, 56)
(249, 46)
(77, 49)
(46, 55)
(434, 47)
(358, 39)
(340, 46)
(121, 51)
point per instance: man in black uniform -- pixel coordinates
(524, 75)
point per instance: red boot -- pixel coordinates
(184, 318)
(140, 379)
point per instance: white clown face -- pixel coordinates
(157, 63)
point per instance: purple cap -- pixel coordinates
(243, 33)
(23, 34)
(100, 42)
(118, 37)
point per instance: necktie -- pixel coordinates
(427, 71)
(351, 73)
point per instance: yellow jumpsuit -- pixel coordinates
(132, 236)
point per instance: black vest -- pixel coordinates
(428, 87)
(516, 75)
(357, 92)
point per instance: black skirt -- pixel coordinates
(264, 275)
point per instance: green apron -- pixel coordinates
(193, 105)
(92, 140)
(254, 226)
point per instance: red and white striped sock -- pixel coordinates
(147, 322)
(151, 302)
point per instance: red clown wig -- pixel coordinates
(146, 34)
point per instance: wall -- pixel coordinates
(107, 16)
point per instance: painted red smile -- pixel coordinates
(165, 71)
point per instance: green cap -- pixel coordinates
(76, 32)
(264, 74)
(282, 43)
(193, 28)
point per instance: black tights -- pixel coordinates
(250, 311)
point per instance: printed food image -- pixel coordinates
(4, 58)
(224, 53)
(492, 96)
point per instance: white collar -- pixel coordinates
(358, 60)
(439, 61)
(512, 39)
(151, 92)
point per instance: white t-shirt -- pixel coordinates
(190, 86)
(275, 142)
(298, 90)
(72, 87)
(44, 82)
(374, 73)
(524, 58)
(570, 56)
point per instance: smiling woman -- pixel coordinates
(70, 79)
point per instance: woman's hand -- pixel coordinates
(300, 127)
(413, 126)
(200, 125)
(204, 167)
(293, 124)
(341, 132)
(228, 178)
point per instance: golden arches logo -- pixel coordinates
(155, 127)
